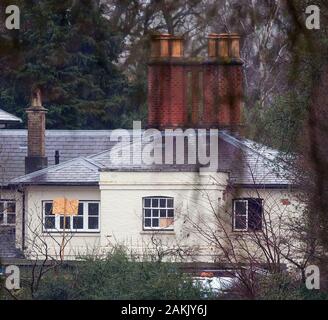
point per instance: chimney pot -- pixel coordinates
(213, 45)
(36, 99)
(235, 45)
(223, 45)
(166, 45)
(223, 51)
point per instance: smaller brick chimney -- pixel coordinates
(36, 135)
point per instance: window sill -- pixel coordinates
(246, 231)
(74, 234)
(151, 232)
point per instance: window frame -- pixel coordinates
(5, 212)
(86, 216)
(171, 227)
(247, 229)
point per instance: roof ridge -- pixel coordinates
(93, 162)
(243, 144)
(92, 156)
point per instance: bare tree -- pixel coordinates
(45, 250)
(273, 244)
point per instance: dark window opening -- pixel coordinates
(247, 214)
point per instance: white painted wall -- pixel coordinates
(121, 206)
(197, 199)
(78, 244)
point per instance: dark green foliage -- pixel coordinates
(119, 276)
(68, 49)
(283, 286)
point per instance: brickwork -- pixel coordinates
(203, 93)
(36, 132)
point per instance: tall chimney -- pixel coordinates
(36, 126)
(223, 78)
(166, 82)
(202, 93)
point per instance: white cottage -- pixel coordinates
(165, 191)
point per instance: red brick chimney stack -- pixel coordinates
(189, 92)
(36, 134)
(166, 82)
(224, 81)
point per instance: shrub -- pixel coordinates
(119, 276)
(283, 286)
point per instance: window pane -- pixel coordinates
(67, 224)
(11, 218)
(2, 206)
(163, 213)
(77, 222)
(166, 223)
(49, 223)
(147, 222)
(155, 213)
(1, 218)
(93, 209)
(11, 207)
(48, 208)
(255, 214)
(147, 203)
(240, 207)
(240, 222)
(93, 222)
(155, 222)
(157, 209)
(80, 210)
(163, 203)
(154, 203)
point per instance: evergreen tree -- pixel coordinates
(68, 50)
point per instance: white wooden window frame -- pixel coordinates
(240, 215)
(171, 228)
(6, 213)
(86, 216)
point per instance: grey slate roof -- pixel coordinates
(79, 171)
(71, 144)
(247, 162)
(252, 163)
(6, 117)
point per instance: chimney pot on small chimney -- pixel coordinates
(36, 99)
